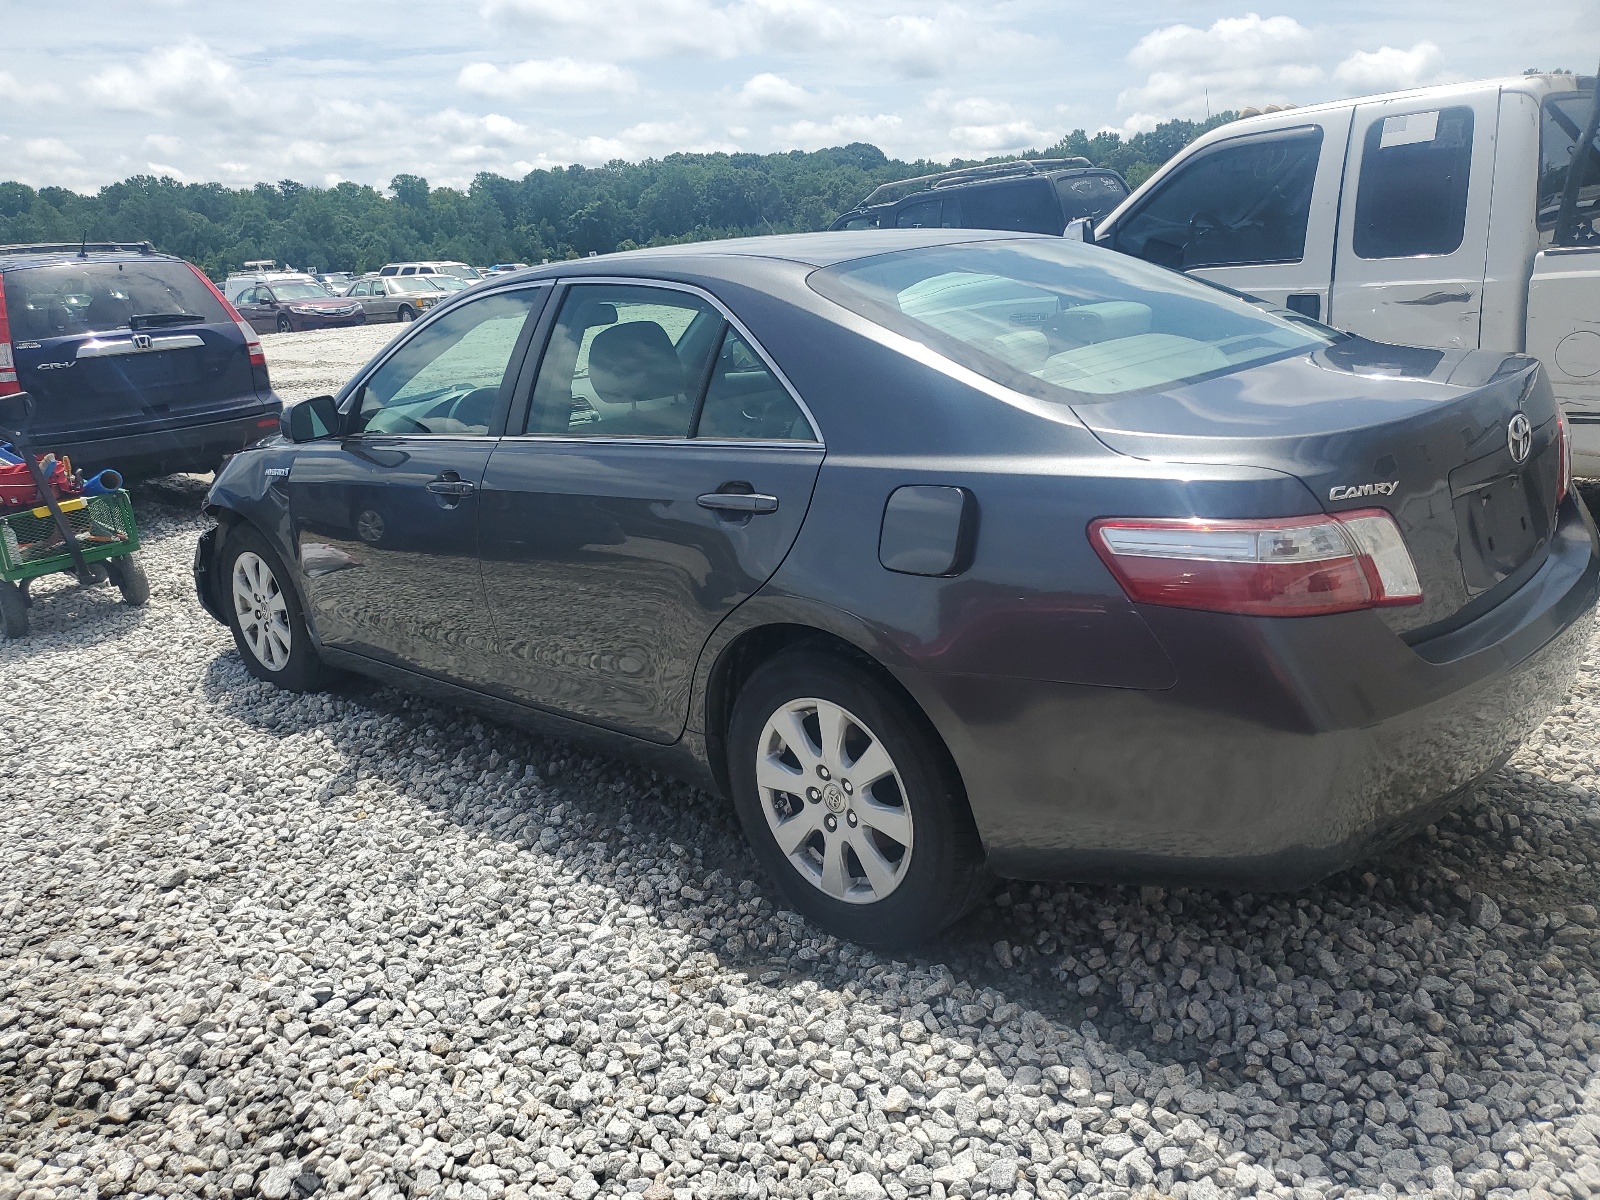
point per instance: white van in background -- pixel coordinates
(1427, 218)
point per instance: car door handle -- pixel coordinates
(739, 502)
(1461, 297)
(451, 487)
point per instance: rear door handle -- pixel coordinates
(739, 502)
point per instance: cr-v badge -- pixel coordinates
(1355, 491)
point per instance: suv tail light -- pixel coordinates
(258, 357)
(8, 363)
(1291, 567)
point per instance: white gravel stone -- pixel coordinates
(253, 944)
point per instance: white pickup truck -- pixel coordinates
(1437, 218)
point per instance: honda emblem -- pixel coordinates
(141, 341)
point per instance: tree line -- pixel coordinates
(563, 212)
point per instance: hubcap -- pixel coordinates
(262, 611)
(834, 801)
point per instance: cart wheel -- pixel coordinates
(131, 581)
(13, 611)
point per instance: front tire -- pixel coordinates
(285, 325)
(127, 573)
(851, 802)
(406, 314)
(264, 614)
(13, 611)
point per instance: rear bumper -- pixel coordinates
(199, 447)
(1288, 749)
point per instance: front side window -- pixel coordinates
(1062, 321)
(625, 361)
(924, 214)
(1247, 201)
(1411, 199)
(1559, 131)
(448, 378)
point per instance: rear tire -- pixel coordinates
(888, 858)
(406, 313)
(264, 614)
(285, 325)
(127, 573)
(13, 611)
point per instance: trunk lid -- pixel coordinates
(124, 347)
(1425, 434)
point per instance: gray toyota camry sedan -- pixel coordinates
(941, 554)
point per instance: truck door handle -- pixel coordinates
(450, 484)
(739, 502)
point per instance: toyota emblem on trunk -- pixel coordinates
(1519, 437)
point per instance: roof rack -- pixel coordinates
(1021, 166)
(77, 247)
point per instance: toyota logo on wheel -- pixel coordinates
(1519, 437)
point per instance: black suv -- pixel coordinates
(1038, 195)
(134, 359)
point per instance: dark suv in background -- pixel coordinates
(134, 359)
(1039, 195)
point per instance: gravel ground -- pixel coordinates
(362, 945)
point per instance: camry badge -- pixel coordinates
(1356, 491)
(1519, 437)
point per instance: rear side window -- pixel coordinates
(923, 214)
(1559, 131)
(1089, 195)
(78, 298)
(1412, 196)
(1246, 201)
(1025, 206)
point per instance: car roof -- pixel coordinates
(809, 249)
(15, 257)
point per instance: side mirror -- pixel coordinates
(15, 411)
(1080, 229)
(310, 419)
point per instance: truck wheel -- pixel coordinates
(13, 611)
(128, 574)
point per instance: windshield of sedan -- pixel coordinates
(1063, 321)
(413, 283)
(299, 291)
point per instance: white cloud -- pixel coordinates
(50, 150)
(1391, 69)
(773, 91)
(19, 92)
(812, 135)
(160, 169)
(187, 77)
(549, 76)
(979, 127)
(1235, 63)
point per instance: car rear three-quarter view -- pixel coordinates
(944, 554)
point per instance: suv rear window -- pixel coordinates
(1024, 206)
(78, 298)
(1062, 321)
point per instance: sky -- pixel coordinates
(94, 91)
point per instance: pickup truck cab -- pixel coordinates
(1424, 218)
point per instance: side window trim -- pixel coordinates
(1290, 133)
(519, 427)
(351, 392)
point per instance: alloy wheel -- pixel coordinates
(834, 801)
(263, 612)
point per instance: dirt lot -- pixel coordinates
(357, 944)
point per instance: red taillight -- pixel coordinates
(8, 363)
(258, 357)
(1291, 567)
(1564, 470)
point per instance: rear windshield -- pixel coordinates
(47, 302)
(1063, 321)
